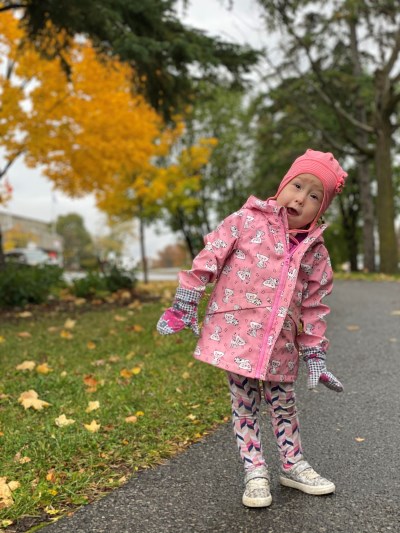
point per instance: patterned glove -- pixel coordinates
(182, 314)
(317, 371)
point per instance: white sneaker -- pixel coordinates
(257, 492)
(303, 477)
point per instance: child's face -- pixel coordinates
(302, 197)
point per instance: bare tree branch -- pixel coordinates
(12, 6)
(394, 55)
(10, 162)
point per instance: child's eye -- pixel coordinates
(297, 185)
(314, 197)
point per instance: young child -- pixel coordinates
(272, 271)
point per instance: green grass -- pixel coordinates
(176, 401)
(367, 276)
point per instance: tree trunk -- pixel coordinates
(349, 224)
(367, 210)
(145, 267)
(385, 199)
(363, 174)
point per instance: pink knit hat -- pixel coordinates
(322, 165)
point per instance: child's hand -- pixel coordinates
(317, 372)
(183, 313)
(174, 320)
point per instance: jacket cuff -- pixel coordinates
(188, 295)
(312, 353)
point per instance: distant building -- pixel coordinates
(24, 232)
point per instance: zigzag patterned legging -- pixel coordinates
(281, 402)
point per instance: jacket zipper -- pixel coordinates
(279, 292)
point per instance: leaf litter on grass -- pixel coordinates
(139, 424)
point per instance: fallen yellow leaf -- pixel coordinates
(24, 460)
(139, 413)
(24, 314)
(63, 421)
(44, 369)
(119, 318)
(136, 370)
(90, 381)
(24, 335)
(396, 312)
(125, 373)
(31, 399)
(26, 365)
(125, 295)
(137, 328)
(65, 334)
(114, 358)
(93, 427)
(186, 375)
(6, 499)
(359, 439)
(90, 345)
(2, 339)
(131, 419)
(92, 406)
(191, 417)
(14, 485)
(51, 511)
(135, 305)
(51, 476)
(69, 323)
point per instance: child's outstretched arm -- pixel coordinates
(206, 267)
(182, 314)
(312, 341)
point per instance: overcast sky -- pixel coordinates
(33, 194)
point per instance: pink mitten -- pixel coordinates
(317, 371)
(182, 314)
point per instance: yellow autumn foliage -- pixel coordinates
(89, 131)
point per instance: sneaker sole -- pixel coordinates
(308, 489)
(256, 502)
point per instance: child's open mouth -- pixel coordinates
(292, 212)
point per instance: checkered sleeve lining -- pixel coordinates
(188, 295)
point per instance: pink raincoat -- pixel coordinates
(266, 303)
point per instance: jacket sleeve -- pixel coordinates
(313, 312)
(208, 264)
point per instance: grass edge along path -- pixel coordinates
(117, 398)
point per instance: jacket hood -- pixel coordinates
(270, 206)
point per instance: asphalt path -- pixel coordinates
(352, 438)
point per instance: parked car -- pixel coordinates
(27, 256)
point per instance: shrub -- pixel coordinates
(119, 278)
(96, 284)
(91, 285)
(22, 284)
